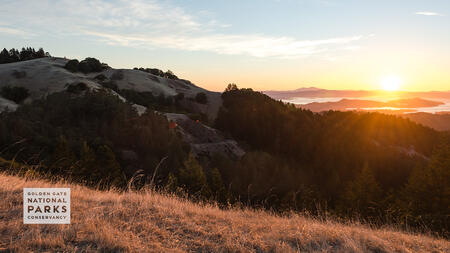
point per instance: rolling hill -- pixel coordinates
(44, 76)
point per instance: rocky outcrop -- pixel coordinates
(7, 105)
(204, 140)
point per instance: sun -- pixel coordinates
(391, 83)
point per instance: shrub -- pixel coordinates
(77, 88)
(86, 66)
(157, 72)
(89, 65)
(170, 75)
(16, 94)
(201, 98)
(145, 98)
(72, 65)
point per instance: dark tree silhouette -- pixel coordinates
(13, 55)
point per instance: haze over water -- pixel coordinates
(440, 108)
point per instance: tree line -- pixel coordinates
(28, 53)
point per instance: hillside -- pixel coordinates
(47, 75)
(438, 121)
(152, 222)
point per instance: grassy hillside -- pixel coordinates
(138, 222)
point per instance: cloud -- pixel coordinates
(156, 24)
(13, 31)
(428, 13)
(253, 45)
(118, 15)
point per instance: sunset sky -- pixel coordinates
(265, 45)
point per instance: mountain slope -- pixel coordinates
(47, 75)
(151, 222)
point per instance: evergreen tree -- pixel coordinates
(14, 55)
(172, 183)
(40, 53)
(363, 194)
(426, 197)
(216, 185)
(107, 164)
(87, 161)
(192, 177)
(63, 158)
(4, 56)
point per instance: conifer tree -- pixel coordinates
(192, 177)
(172, 183)
(363, 193)
(87, 160)
(426, 197)
(107, 165)
(216, 185)
(4, 56)
(63, 157)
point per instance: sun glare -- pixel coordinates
(391, 83)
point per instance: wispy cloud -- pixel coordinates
(13, 31)
(428, 13)
(253, 45)
(157, 24)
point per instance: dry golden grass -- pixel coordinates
(151, 222)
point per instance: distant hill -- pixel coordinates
(152, 222)
(345, 104)
(308, 89)
(361, 100)
(438, 121)
(322, 93)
